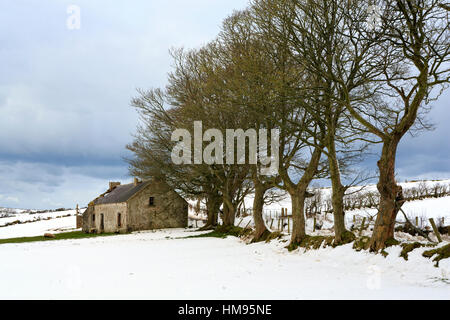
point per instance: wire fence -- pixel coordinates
(281, 220)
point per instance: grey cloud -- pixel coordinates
(64, 95)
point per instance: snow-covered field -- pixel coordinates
(39, 228)
(157, 265)
(428, 208)
(37, 224)
(326, 192)
(30, 216)
(437, 208)
(164, 264)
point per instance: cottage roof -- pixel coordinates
(121, 193)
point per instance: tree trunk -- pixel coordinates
(213, 203)
(298, 217)
(337, 189)
(337, 196)
(298, 195)
(261, 232)
(391, 197)
(337, 199)
(229, 212)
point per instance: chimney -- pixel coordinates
(136, 181)
(112, 185)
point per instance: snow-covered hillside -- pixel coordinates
(424, 208)
(325, 195)
(16, 223)
(438, 209)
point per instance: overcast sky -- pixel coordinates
(65, 114)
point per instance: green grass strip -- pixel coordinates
(58, 236)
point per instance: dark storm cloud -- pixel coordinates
(427, 155)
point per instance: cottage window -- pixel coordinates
(119, 220)
(151, 201)
(93, 217)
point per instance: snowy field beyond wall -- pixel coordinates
(436, 208)
(431, 208)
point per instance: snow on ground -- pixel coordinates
(436, 208)
(424, 209)
(26, 215)
(39, 228)
(35, 225)
(159, 265)
(326, 193)
(428, 208)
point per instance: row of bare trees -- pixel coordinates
(315, 70)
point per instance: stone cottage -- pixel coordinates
(136, 206)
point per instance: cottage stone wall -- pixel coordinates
(169, 210)
(110, 218)
(79, 221)
(87, 220)
(110, 213)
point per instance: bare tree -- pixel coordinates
(152, 147)
(414, 47)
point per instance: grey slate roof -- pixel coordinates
(121, 193)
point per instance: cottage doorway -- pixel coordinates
(102, 222)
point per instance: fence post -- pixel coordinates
(362, 225)
(314, 226)
(435, 229)
(286, 217)
(417, 221)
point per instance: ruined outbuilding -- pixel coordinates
(134, 207)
